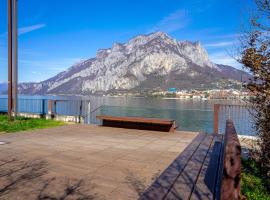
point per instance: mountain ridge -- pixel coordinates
(144, 63)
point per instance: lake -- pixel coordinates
(190, 115)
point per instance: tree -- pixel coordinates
(255, 56)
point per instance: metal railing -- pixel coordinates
(79, 108)
(240, 114)
(3, 105)
(187, 120)
(33, 106)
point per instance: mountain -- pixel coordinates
(145, 63)
(3, 88)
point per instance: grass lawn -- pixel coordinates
(254, 184)
(23, 124)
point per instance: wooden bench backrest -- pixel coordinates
(231, 168)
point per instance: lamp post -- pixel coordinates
(15, 57)
(12, 58)
(10, 77)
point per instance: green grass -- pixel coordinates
(23, 124)
(254, 182)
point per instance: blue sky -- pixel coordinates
(54, 34)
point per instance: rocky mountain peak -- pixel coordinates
(101, 53)
(118, 47)
(145, 62)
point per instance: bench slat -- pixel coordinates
(183, 187)
(205, 185)
(159, 189)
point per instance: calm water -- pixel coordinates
(190, 115)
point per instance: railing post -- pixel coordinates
(50, 109)
(43, 108)
(89, 113)
(80, 114)
(216, 113)
(54, 104)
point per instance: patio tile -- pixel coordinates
(113, 163)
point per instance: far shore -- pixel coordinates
(125, 96)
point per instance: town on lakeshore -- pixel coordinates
(173, 93)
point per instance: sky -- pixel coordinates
(55, 34)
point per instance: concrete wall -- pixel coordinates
(64, 118)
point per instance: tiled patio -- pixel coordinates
(91, 161)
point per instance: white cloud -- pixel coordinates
(28, 29)
(225, 59)
(220, 44)
(173, 22)
(232, 35)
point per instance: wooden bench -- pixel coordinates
(138, 123)
(209, 168)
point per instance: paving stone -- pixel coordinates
(113, 163)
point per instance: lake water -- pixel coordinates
(190, 115)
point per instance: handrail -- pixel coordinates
(154, 108)
(96, 109)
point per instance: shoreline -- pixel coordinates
(128, 96)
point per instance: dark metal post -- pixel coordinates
(15, 58)
(43, 108)
(10, 59)
(80, 114)
(54, 103)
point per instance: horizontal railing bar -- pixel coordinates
(151, 108)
